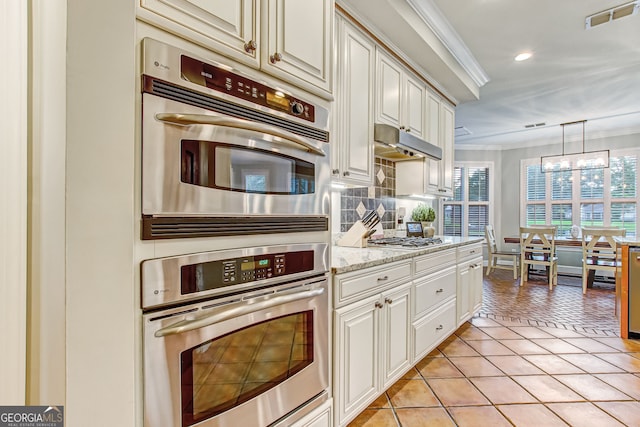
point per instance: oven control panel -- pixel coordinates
(223, 80)
(228, 272)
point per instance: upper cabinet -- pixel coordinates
(290, 40)
(352, 155)
(400, 97)
(440, 131)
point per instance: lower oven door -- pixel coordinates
(242, 360)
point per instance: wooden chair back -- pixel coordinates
(490, 235)
(599, 243)
(538, 241)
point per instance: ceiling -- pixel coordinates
(574, 73)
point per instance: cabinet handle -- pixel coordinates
(383, 278)
(402, 128)
(439, 290)
(388, 300)
(378, 305)
(408, 129)
(276, 57)
(439, 328)
(250, 46)
(335, 171)
(346, 173)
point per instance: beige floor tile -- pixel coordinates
(523, 346)
(628, 383)
(557, 345)
(530, 332)
(591, 364)
(435, 353)
(411, 393)
(457, 348)
(531, 415)
(514, 365)
(591, 388)
(375, 418)
(413, 374)
(473, 333)
(547, 389)
(424, 417)
(456, 392)
(381, 402)
(437, 367)
(622, 360)
(621, 344)
(626, 412)
(482, 322)
(501, 333)
(561, 332)
(590, 345)
(553, 365)
(476, 416)
(475, 366)
(490, 348)
(509, 322)
(502, 390)
(583, 414)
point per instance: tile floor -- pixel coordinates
(533, 357)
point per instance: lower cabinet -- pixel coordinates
(372, 349)
(320, 417)
(469, 282)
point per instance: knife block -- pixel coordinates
(355, 236)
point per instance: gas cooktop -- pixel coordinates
(405, 242)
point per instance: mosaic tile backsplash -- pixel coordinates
(356, 202)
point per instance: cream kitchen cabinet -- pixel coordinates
(289, 40)
(469, 282)
(400, 97)
(352, 155)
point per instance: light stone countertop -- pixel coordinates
(345, 259)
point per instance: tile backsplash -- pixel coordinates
(355, 202)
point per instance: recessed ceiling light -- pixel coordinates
(523, 56)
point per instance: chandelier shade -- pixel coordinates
(574, 161)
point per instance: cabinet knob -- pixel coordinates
(401, 127)
(388, 300)
(276, 57)
(346, 173)
(335, 171)
(408, 130)
(250, 46)
(439, 328)
(378, 305)
(383, 278)
(439, 291)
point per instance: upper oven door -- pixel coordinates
(197, 162)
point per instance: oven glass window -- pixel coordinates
(245, 169)
(222, 373)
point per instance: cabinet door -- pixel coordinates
(388, 90)
(353, 158)
(395, 334)
(297, 41)
(463, 293)
(229, 27)
(476, 286)
(356, 349)
(446, 140)
(414, 116)
(433, 136)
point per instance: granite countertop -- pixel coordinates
(345, 259)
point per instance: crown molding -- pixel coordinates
(438, 23)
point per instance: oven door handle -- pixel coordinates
(247, 306)
(203, 119)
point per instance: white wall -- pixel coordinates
(13, 200)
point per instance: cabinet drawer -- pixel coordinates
(469, 251)
(432, 261)
(432, 290)
(433, 329)
(369, 281)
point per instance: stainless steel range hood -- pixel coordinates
(394, 144)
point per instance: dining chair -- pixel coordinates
(599, 251)
(538, 247)
(495, 255)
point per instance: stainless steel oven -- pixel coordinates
(227, 154)
(252, 353)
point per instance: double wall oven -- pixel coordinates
(236, 336)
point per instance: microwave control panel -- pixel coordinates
(222, 273)
(223, 80)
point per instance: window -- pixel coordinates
(594, 197)
(468, 211)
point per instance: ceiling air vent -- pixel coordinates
(612, 14)
(462, 131)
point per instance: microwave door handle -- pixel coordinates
(203, 119)
(249, 306)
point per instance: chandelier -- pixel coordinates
(574, 161)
